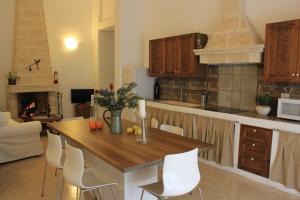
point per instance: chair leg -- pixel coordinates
(44, 179)
(142, 195)
(58, 189)
(200, 193)
(113, 193)
(77, 193)
(94, 192)
(99, 194)
(80, 194)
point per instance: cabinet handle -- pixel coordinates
(297, 75)
(253, 145)
(254, 130)
(293, 74)
(252, 159)
(160, 72)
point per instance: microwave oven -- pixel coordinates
(288, 109)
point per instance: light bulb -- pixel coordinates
(71, 43)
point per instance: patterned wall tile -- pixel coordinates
(196, 84)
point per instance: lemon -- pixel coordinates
(139, 131)
(129, 130)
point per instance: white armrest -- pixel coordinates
(15, 130)
(7, 115)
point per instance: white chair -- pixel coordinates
(154, 123)
(172, 129)
(180, 176)
(72, 118)
(63, 139)
(75, 174)
(54, 159)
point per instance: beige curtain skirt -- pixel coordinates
(214, 131)
(286, 167)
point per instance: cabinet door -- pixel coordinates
(298, 51)
(255, 150)
(281, 52)
(156, 57)
(171, 68)
(189, 66)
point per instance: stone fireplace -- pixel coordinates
(31, 43)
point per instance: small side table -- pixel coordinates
(44, 119)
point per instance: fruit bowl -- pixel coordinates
(263, 110)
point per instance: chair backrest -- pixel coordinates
(154, 123)
(73, 166)
(172, 129)
(72, 118)
(54, 150)
(180, 173)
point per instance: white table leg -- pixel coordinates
(128, 182)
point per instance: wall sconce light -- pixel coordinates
(71, 43)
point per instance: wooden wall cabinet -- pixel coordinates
(282, 52)
(255, 150)
(156, 57)
(174, 57)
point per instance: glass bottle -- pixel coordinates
(93, 116)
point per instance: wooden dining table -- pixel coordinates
(120, 158)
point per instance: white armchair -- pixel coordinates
(19, 140)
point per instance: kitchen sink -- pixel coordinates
(179, 103)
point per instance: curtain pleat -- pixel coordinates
(219, 133)
(187, 125)
(286, 167)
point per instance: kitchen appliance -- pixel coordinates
(288, 108)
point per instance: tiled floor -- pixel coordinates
(22, 180)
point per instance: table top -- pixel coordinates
(121, 150)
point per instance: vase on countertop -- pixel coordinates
(114, 122)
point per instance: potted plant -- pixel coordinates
(115, 102)
(263, 104)
(12, 78)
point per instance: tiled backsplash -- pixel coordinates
(275, 89)
(237, 86)
(192, 88)
(232, 86)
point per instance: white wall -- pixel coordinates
(129, 36)
(261, 12)
(7, 17)
(75, 68)
(173, 17)
(107, 9)
(106, 58)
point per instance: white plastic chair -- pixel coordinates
(180, 176)
(172, 129)
(53, 158)
(75, 174)
(154, 123)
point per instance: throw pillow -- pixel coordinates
(3, 119)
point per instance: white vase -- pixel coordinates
(263, 110)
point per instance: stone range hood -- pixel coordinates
(235, 41)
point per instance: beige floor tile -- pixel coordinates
(22, 180)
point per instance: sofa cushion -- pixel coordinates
(3, 119)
